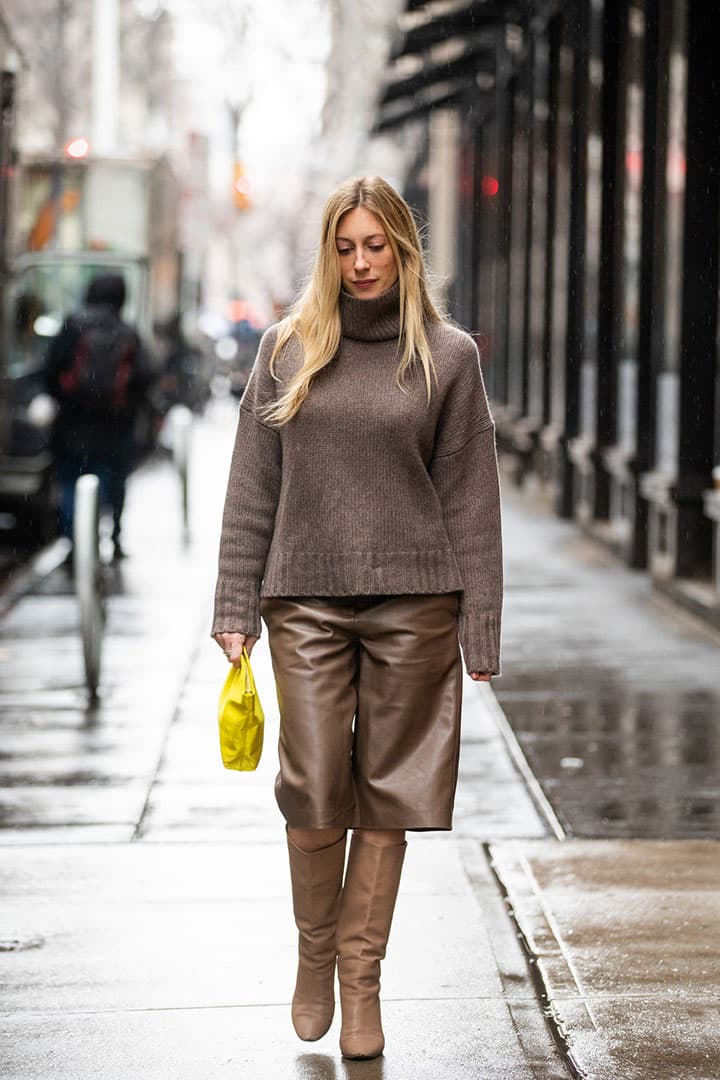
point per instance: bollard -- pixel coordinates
(180, 418)
(87, 571)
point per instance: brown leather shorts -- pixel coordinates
(369, 690)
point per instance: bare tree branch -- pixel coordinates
(55, 36)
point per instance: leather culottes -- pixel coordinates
(369, 690)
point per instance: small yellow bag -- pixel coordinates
(241, 719)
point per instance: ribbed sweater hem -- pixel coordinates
(357, 573)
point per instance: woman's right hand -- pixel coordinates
(232, 645)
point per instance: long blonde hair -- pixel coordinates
(315, 316)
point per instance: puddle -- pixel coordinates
(619, 760)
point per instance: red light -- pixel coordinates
(242, 311)
(634, 165)
(676, 170)
(77, 148)
(237, 310)
(489, 185)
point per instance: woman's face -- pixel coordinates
(367, 264)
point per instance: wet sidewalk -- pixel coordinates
(623, 937)
(612, 692)
(147, 928)
(614, 697)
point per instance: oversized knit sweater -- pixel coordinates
(368, 489)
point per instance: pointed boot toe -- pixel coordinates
(312, 1020)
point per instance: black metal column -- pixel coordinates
(504, 135)
(554, 35)
(699, 294)
(611, 236)
(560, 126)
(464, 287)
(578, 16)
(658, 20)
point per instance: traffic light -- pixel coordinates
(241, 187)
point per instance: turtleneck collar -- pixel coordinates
(376, 319)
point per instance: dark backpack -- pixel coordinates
(97, 381)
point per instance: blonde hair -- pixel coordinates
(315, 316)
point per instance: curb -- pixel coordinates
(538, 796)
(548, 960)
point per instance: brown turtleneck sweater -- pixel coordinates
(367, 490)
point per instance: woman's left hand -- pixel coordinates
(232, 644)
(480, 676)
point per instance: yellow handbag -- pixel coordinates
(241, 719)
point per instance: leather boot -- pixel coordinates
(368, 901)
(316, 878)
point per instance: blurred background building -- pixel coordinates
(569, 173)
(562, 156)
(189, 146)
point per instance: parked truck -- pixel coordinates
(75, 219)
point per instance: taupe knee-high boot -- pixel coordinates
(316, 878)
(368, 901)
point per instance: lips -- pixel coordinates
(365, 284)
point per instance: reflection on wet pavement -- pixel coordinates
(69, 765)
(613, 696)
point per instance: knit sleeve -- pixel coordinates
(250, 504)
(465, 475)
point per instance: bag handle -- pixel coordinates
(248, 687)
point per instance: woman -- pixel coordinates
(363, 509)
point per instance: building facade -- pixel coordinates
(584, 137)
(11, 61)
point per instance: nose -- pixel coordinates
(361, 262)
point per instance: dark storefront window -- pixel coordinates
(538, 238)
(632, 229)
(672, 202)
(491, 261)
(467, 265)
(561, 240)
(593, 223)
(518, 243)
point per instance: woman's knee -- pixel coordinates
(309, 840)
(381, 837)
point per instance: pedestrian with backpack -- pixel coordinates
(98, 373)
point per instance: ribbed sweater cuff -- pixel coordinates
(480, 641)
(236, 614)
